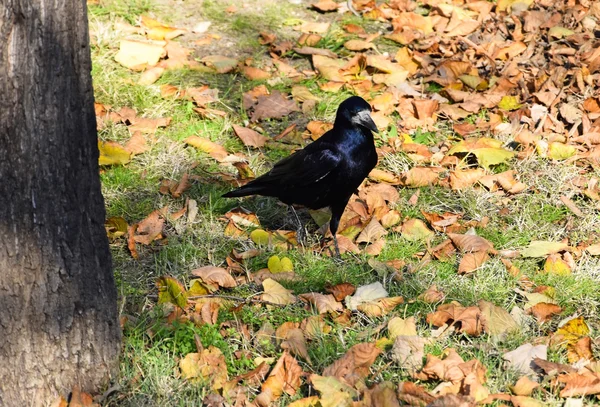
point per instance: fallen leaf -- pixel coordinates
(355, 363)
(521, 359)
(366, 293)
(498, 321)
(468, 320)
(285, 377)
(112, 153)
(137, 55)
(524, 386)
(220, 63)
(539, 248)
(415, 230)
(323, 303)
(398, 326)
(334, 392)
(217, 276)
(250, 137)
(276, 293)
(273, 106)
(171, 291)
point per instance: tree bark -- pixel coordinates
(58, 302)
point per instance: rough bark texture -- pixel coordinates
(58, 304)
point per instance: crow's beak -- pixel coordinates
(364, 119)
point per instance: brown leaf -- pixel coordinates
(323, 303)
(325, 5)
(524, 386)
(306, 50)
(215, 276)
(285, 377)
(467, 319)
(358, 45)
(296, 344)
(461, 179)
(207, 366)
(471, 243)
(408, 351)
(255, 74)
(580, 384)
(341, 291)
(355, 364)
(472, 261)
(418, 177)
(544, 311)
(250, 137)
(273, 106)
(432, 295)
(149, 229)
(414, 395)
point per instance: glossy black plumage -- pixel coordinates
(326, 172)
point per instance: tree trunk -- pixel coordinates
(58, 302)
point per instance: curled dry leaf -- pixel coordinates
(285, 377)
(149, 229)
(366, 293)
(295, 343)
(379, 307)
(471, 243)
(544, 311)
(215, 276)
(462, 179)
(206, 366)
(355, 364)
(273, 106)
(432, 295)
(418, 177)
(323, 303)
(341, 291)
(467, 319)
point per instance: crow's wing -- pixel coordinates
(305, 167)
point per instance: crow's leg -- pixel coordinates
(300, 232)
(336, 215)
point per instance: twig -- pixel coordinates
(234, 298)
(352, 9)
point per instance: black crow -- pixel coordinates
(326, 172)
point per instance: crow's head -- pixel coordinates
(356, 111)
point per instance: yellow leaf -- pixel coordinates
(208, 366)
(260, 237)
(560, 151)
(401, 327)
(172, 291)
(115, 227)
(573, 330)
(539, 248)
(137, 55)
(197, 288)
(560, 32)
(509, 103)
(112, 153)
(415, 230)
(277, 265)
(276, 293)
(555, 265)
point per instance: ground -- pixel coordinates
(554, 199)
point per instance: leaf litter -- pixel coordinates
(485, 60)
